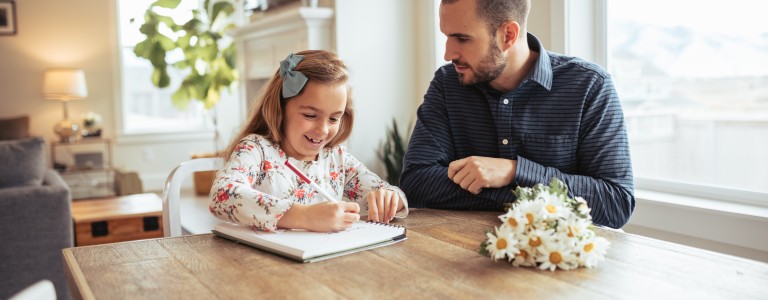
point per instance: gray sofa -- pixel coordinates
(35, 218)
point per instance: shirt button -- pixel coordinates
(504, 141)
(506, 101)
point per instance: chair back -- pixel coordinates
(172, 190)
(41, 290)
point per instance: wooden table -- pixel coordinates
(439, 260)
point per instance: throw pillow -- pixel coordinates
(15, 128)
(23, 162)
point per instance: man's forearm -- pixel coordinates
(610, 200)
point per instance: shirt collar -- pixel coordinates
(542, 69)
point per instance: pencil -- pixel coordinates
(311, 183)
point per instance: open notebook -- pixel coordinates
(306, 246)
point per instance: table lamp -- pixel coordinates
(65, 85)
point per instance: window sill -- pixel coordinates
(716, 206)
(158, 138)
(714, 223)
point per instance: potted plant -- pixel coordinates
(208, 57)
(393, 152)
(209, 54)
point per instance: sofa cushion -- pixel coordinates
(23, 162)
(15, 128)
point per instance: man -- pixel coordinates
(507, 113)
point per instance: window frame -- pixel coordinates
(588, 19)
(132, 138)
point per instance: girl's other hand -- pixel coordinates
(383, 205)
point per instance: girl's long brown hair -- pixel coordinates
(266, 117)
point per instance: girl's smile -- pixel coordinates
(312, 119)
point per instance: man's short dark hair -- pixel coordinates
(496, 12)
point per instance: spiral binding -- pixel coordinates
(384, 224)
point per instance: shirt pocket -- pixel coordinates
(557, 151)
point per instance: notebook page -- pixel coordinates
(306, 244)
(320, 243)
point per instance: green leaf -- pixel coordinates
(220, 7)
(168, 21)
(212, 98)
(142, 49)
(167, 43)
(484, 248)
(160, 78)
(210, 52)
(230, 55)
(183, 41)
(166, 3)
(182, 64)
(149, 29)
(157, 55)
(393, 152)
(180, 99)
(194, 26)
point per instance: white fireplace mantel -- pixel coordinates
(262, 43)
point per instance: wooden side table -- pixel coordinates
(117, 219)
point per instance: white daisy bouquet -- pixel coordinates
(546, 228)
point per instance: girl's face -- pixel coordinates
(312, 119)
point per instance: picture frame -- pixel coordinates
(7, 17)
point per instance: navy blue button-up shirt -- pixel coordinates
(564, 120)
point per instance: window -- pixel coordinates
(693, 80)
(145, 108)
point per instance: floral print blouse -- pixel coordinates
(255, 187)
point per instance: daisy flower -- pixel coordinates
(592, 251)
(582, 207)
(554, 208)
(501, 244)
(531, 210)
(515, 220)
(547, 229)
(524, 258)
(555, 256)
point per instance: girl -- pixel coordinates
(302, 115)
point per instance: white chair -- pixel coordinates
(41, 290)
(172, 191)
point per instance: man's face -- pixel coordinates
(472, 49)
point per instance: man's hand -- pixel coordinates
(476, 172)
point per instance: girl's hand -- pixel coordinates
(383, 205)
(323, 217)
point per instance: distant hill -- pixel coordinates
(684, 52)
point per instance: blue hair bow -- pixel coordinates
(293, 81)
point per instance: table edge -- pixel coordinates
(78, 285)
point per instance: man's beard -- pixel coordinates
(489, 68)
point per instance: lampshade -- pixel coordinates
(64, 84)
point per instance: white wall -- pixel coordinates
(57, 34)
(377, 40)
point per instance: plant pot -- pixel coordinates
(203, 180)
